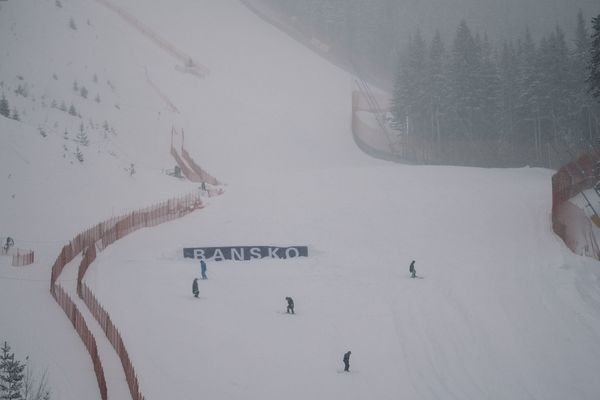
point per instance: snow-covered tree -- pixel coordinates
(72, 110)
(83, 92)
(79, 154)
(82, 137)
(4, 107)
(72, 24)
(594, 77)
(11, 375)
(15, 115)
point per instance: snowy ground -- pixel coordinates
(503, 309)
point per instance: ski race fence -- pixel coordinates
(569, 221)
(86, 244)
(20, 257)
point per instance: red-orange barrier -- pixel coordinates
(102, 235)
(74, 315)
(569, 222)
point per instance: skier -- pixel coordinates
(347, 361)
(412, 270)
(195, 287)
(9, 243)
(203, 269)
(290, 306)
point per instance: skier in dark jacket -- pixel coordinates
(412, 270)
(347, 361)
(290, 306)
(203, 269)
(195, 287)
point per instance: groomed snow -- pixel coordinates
(503, 309)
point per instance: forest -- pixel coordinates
(464, 97)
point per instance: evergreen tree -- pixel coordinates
(409, 104)
(11, 375)
(508, 93)
(82, 137)
(582, 113)
(72, 110)
(437, 91)
(15, 115)
(79, 154)
(465, 74)
(594, 76)
(4, 107)
(83, 92)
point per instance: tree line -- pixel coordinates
(468, 99)
(521, 103)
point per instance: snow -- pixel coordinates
(503, 309)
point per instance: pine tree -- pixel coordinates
(594, 76)
(83, 92)
(437, 90)
(11, 375)
(72, 24)
(72, 110)
(82, 137)
(4, 107)
(79, 154)
(15, 115)
(465, 75)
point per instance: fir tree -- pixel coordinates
(83, 92)
(72, 110)
(75, 86)
(594, 76)
(82, 137)
(11, 375)
(4, 107)
(79, 155)
(15, 115)
(72, 24)
(63, 106)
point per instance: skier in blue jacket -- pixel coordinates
(203, 269)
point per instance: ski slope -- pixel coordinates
(503, 309)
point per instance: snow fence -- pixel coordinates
(569, 221)
(86, 243)
(20, 257)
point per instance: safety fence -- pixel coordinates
(100, 236)
(192, 171)
(74, 315)
(569, 221)
(109, 328)
(20, 257)
(190, 65)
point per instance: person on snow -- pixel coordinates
(9, 243)
(195, 287)
(290, 306)
(203, 269)
(412, 270)
(347, 361)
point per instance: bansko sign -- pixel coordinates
(244, 253)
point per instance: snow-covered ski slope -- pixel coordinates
(503, 309)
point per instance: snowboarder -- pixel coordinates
(347, 361)
(195, 287)
(203, 269)
(290, 306)
(412, 270)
